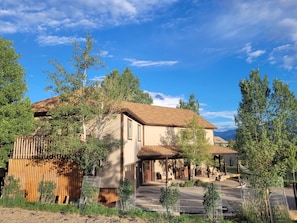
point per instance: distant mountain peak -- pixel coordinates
(227, 135)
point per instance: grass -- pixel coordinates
(97, 209)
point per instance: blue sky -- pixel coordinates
(175, 47)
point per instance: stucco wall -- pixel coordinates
(160, 135)
(110, 173)
(133, 144)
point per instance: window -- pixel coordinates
(129, 129)
(139, 132)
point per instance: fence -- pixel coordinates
(68, 179)
(31, 163)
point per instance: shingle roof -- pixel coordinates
(163, 116)
(218, 139)
(173, 152)
(46, 105)
(159, 152)
(145, 114)
(219, 150)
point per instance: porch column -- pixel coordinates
(166, 168)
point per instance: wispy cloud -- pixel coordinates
(251, 55)
(224, 126)
(286, 55)
(219, 114)
(57, 40)
(31, 16)
(105, 53)
(149, 63)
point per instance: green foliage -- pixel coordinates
(89, 194)
(192, 104)
(188, 183)
(266, 134)
(210, 201)
(11, 187)
(127, 87)
(194, 144)
(126, 189)
(169, 197)
(46, 191)
(250, 212)
(95, 209)
(282, 214)
(11, 192)
(16, 114)
(77, 123)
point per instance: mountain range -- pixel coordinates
(227, 135)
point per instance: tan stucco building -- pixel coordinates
(147, 134)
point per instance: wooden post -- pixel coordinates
(166, 169)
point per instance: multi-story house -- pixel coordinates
(148, 151)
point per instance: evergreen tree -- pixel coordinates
(128, 87)
(192, 104)
(16, 113)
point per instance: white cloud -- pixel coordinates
(105, 53)
(224, 126)
(55, 15)
(161, 99)
(219, 114)
(251, 55)
(286, 55)
(148, 63)
(224, 120)
(57, 40)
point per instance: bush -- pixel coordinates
(46, 191)
(210, 200)
(89, 194)
(169, 197)
(126, 189)
(11, 187)
(11, 192)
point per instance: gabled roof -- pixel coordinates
(145, 114)
(220, 140)
(163, 116)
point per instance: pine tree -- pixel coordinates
(192, 104)
(128, 87)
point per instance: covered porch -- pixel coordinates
(166, 163)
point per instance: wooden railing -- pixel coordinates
(30, 147)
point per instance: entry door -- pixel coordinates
(147, 170)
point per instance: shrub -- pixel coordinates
(11, 187)
(46, 191)
(169, 197)
(210, 200)
(89, 194)
(189, 183)
(11, 192)
(126, 189)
